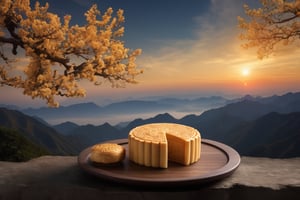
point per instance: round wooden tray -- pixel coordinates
(217, 161)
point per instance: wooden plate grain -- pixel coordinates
(217, 161)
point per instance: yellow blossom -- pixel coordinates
(60, 54)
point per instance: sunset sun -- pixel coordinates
(245, 72)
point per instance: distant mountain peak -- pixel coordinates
(67, 123)
(248, 97)
(106, 125)
(86, 104)
(65, 128)
(164, 117)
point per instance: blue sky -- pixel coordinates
(146, 21)
(190, 47)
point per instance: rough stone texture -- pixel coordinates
(59, 177)
(265, 172)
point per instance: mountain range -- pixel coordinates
(230, 124)
(254, 126)
(272, 135)
(135, 108)
(36, 132)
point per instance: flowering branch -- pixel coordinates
(277, 21)
(61, 55)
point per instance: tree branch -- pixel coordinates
(49, 43)
(14, 41)
(285, 20)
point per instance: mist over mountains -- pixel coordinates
(254, 126)
(114, 113)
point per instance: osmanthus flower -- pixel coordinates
(60, 55)
(275, 23)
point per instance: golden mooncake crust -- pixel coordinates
(107, 153)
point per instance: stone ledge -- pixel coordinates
(265, 172)
(59, 177)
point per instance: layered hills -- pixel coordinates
(36, 131)
(254, 126)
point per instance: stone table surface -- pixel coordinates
(59, 177)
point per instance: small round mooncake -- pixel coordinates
(107, 153)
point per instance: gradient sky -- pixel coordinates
(190, 47)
